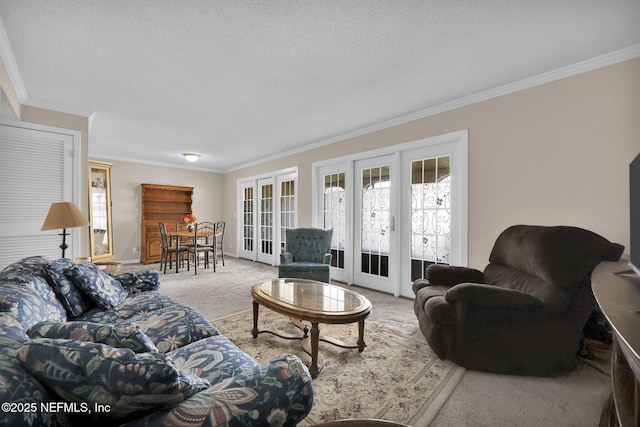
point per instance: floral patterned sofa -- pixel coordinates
(78, 347)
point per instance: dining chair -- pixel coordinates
(200, 224)
(169, 250)
(203, 243)
(220, 225)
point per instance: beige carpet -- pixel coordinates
(396, 378)
(480, 400)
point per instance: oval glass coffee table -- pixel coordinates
(314, 302)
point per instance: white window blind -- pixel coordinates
(36, 169)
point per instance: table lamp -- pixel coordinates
(64, 215)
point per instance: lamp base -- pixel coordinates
(64, 245)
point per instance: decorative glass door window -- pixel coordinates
(266, 219)
(287, 210)
(247, 219)
(334, 213)
(376, 220)
(430, 214)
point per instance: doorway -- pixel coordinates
(395, 211)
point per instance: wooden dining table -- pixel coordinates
(176, 235)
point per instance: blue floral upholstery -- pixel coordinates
(214, 358)
(12, 332)
(276, 393)
(27, 307)
(104, 290)
(30, 272)
(17, 386)
(142, 281)
(135, 304)
(130, 337)
(36, 281)
(155, 361)
(172, 327)
(73, 299)
(96, 373)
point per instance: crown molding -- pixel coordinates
(10, 64)
(6, 54)
(561, 73)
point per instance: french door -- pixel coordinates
(394, 214)
(336, 187)
(265, 218)
(375, 258)
(267, 206)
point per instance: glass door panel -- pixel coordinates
(334, 214)
(430, 214)
(374, 258)
(247, 226)
(265, 226)
(287, 209)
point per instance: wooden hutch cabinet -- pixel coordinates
(161, 203)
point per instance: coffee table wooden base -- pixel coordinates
(310, 343)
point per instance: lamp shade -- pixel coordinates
(64, 215)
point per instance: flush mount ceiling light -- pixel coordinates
(192, 157)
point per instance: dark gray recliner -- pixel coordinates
(525, 313)
(308, 254)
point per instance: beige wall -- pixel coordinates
(554, 154)
(126, 178)
(557, 153)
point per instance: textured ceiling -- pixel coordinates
(240, 81)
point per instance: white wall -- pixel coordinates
(126, 196)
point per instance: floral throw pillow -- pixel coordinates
(97, 373)
(130, 337)
(104, 290)
(25, 306)
(73, 300)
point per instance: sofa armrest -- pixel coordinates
(492, 296)
(452, 275)
(286, 258)
(142, 281)
(327, 259)
(278, 392)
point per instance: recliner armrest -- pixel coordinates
(286, 258)
(492, 296)
(441, 312)
(452, 275)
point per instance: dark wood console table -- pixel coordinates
(617, 291)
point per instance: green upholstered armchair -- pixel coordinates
(308, 254)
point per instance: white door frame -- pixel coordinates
(455, 147)
(341, 274)
(380, 283)
(455, 143)
(253, 182)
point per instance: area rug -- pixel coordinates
(395, 378)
